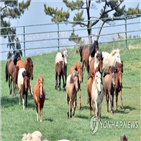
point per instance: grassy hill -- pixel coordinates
(55, 125)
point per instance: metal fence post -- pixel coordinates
(24, 38)
(126, 32)
(58, 35)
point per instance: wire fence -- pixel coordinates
(54, 36)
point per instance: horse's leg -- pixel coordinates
(71, 108)
(19, 97)
(79, 96)
(14, 87)
(36, 105)
(63, 81)
(110, 101)
(26, 99)
(83, 69)
(107, 99)
(96, 110)
(88, 75)
(60, 82)
(39, 106)
(121, 99)
(116, 100)
(11, 85)
(93, 108)
(73, 105)
(56, 76)
(68, 105)
(90, 105)
(23, 101)
(100, 112)
(30, 88)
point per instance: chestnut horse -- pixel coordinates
(9, 70)
(85, 53)
(77, 67)
(28, 65)
(118, 85)
(39, 96)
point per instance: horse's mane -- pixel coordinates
(115, 51)
(92, 48)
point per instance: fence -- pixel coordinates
(58, 37)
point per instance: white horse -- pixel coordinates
(111, 59)
(97, 95)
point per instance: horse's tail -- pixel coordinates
(80, 51)
(6, 71)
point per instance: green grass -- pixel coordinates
(55, 124)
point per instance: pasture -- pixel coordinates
(55, 125)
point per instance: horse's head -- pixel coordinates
(100, 62)
(74, 79)
(65, 55)
(96, 46)
(116, 54)
(119, 71)
(123, 138)
(79, 70)
(26, 79)
(30, 67)
(40, 84)
(17, 57)
(98, 81)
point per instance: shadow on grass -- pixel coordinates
(12, 101)
(49, 119)
(82, 117)
(129, 108)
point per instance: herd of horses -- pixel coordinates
(97, 64)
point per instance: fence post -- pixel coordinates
(126, 32)
(58, 35)
(24, 38)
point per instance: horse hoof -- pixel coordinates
(108, 111)
(10, 92)
(56, 87)
(59, 89)
(70, 116)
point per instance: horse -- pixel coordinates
(85, 53)
(62, 57)
(28, 65)
(39, 96)
(9, 70)
(23, 84)
(71, 91)
(123, 138)
(118, 85)
(109, 84)
(97, 95)
(58, 74)
(111, 59)
(77, 67)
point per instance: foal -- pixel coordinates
(39, 96)
(77, 67)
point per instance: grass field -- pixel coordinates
(55, 125)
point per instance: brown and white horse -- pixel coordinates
(39, 96)
(28, 65)
(23, 84)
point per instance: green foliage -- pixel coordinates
(132, 11)
(57, 15)
(11, 10)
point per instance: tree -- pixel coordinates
(110, 7)
(11, 10)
